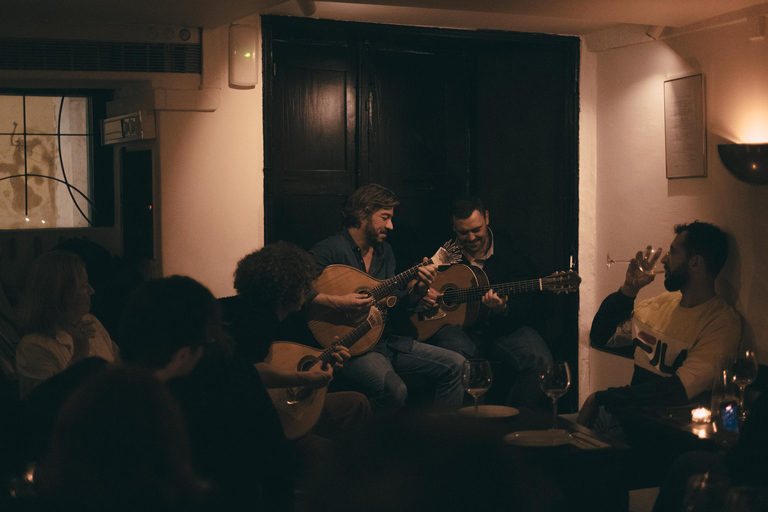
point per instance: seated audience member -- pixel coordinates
(362, 245)
(172, 327)
(54, 316)
(119, 444)
(506, 334)
(677, 337)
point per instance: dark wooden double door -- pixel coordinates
(430, 114)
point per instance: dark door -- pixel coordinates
(311, 140)
(430, 114)
(416, 141)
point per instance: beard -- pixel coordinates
(677, 278)
(372, 234)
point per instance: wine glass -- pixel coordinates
(476, 377)
(744, 371)
(555, 381)
(650, 256)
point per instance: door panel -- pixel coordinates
(417, 142)
(314, 121)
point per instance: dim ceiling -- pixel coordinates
(573, 16)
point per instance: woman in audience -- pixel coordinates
(54, 316)
(120, 444)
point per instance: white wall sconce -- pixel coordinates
(243, 68)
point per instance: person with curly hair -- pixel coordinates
(272, 283)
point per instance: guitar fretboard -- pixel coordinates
(386, 288)
(326, 356)
(475, 294)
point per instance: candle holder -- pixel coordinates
(701, 415)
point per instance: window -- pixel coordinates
(49, 157)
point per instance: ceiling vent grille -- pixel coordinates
(53, 55)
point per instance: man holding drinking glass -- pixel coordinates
(678, 337)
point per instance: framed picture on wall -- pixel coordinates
(685, 128)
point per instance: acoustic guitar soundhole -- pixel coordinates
(447, 304)
(303, 392)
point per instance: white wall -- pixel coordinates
(211, 177)
(636, 205)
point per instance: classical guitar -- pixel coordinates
(461, 289)
(327, 324)
(299, 407)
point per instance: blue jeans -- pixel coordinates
(377, 374)
(522, 352)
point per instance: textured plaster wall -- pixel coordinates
(636, 205)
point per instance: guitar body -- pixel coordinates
(463, 314)
(299, 408)
(461, 289)
(326, 323)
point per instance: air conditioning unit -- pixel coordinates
(127, 128)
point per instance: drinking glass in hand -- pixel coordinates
(648, 265)
(744, 371)
(476, 377)
(555, 381)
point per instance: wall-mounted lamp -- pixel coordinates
(243, 71)
(747, 162)
(307, 7)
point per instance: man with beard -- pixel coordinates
(361, 245)
(506, 333)
(679, 337)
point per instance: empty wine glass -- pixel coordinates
(744, 371)
(650, 253)
(477, 377)
(555, 381)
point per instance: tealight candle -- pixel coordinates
(701, 415)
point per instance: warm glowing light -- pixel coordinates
(700, 432)
(27, 219)
(247, 55)
(701, 415)
(42, 221)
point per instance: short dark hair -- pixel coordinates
(276, 275)
(119, 443)
(365, 201)
(165, 315)
(706, 240)
(462, 207)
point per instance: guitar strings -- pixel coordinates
(475, 294)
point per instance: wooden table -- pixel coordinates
(588, 473)
(659, 435)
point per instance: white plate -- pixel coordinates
(538, 438)
(489, 411)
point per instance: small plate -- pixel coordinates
(489, 411)
(538, 438)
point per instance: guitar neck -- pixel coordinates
(386, 288)
(326, 356)
(475, 294)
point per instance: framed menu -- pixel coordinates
(685, 132)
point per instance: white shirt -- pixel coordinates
(40, 357)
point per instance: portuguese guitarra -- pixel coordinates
(299, 407)
(327, 324)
